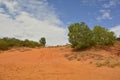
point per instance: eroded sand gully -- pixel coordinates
(50, 64)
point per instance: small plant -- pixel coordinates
(91, 62)
(98, 64)
(66, 55)
(107, 62)
(78, 59)
(70, 58)
(112, 65)
(98, 57)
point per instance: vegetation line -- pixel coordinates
(8, 43)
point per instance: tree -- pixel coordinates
(80, 36)
(103, 36)
(42, 41)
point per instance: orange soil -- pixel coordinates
(50, 64)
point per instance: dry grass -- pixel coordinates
(84, 56)
(109, 62)
(96, 59)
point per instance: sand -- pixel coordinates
(50, 64)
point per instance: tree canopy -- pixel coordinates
(81, 36)
(42, 41)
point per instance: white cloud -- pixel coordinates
(107, 5)
(9, 4)
(116, 30)
(105, 15)
(34, 20)
(1, 10)
(111, 3)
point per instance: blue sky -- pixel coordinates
(32, 19)
(94, 12)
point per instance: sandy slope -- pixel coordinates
(50, 64)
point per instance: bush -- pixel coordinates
(3, 45)
(7, 43)
(81, 37)
(103, 36)
(31, 44)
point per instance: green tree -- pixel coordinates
(80, 36)
(42, 41)
(103, 36)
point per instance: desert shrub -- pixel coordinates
(99, 64)
(3, 45)
(103, 36)
(13, 42)
(28, 43)
(80, 36)
(7, 43)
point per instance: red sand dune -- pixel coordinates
(50, 64)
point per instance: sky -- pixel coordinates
(33, 19)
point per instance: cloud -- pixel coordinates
(116, 30)
(105, 15)
(111, 3)
(107, 8)
(9, 4)
(31, 19)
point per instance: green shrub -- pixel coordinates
(28, 43)
(3, 45)
(82, 37)
(7, 43)
(103, 36)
